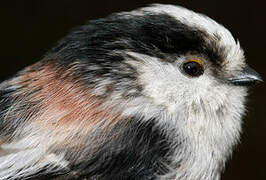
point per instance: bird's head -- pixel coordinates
(176, 59)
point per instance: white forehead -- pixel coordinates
(202, 22)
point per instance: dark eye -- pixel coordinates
(193, 68)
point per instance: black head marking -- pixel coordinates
(151, 34)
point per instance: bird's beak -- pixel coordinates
(246, 77)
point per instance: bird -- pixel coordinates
(155, 93)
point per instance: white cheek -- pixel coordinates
(162, 83)
(168, 86)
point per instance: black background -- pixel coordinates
(28, 28)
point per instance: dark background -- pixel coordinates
(28, 28)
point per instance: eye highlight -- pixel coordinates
(193, 67)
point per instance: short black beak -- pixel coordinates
(246, 77)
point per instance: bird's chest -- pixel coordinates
(207, 142)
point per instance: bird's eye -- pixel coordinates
(193, 68)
